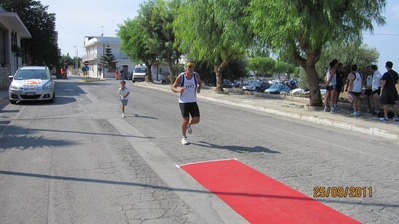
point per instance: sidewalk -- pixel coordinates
(295, 107)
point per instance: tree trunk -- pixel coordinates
(219, 75)
(172, 71)
(148, 77)
(309, 65)
(314, 89)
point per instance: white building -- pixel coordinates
(94, 49)
(12, 30)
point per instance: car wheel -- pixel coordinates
(297, 94)
(13, 101)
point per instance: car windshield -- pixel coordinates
(140, 70)
(277, 85)
(31, 74)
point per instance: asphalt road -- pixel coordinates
(78, 161)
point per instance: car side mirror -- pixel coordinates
(53, 77)
(10, 77)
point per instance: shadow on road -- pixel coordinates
(234, 148)
(133, 184)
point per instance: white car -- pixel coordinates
(31, 83)
(300, 92)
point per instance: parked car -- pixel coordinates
(278, 88)
(301, 92)
(248, 85)
(31, 83)
(261, 86)
(236, 84)
(226, 84)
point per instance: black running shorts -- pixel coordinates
(189, 109)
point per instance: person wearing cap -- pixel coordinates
(188, 84)
(123, 93)
(389, 94)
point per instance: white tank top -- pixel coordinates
(333, 80)
(369, 80)
(189, 94)
(357, 83)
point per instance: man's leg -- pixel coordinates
(332, 98)
(184, 126)
(326, 98)
(368, 99)
(395, 110)
(194, 120)
(376, 101)
(337, 93)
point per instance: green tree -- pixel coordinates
(159, 27)
(138, 40)
(282, 67)
(134, 44)
(42, 48)
(302, 28)
(108, 59)
(213, 31)
(262, 65)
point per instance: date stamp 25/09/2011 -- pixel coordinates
(342, 192)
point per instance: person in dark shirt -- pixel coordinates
(340, 76)
(389, 93)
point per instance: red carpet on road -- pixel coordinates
(259, 198)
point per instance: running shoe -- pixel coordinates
(189, 130)
(184, 141)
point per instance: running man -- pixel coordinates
(188, 84)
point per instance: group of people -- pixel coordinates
(187, 84)
(376, 87)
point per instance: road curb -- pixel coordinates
(317, 120)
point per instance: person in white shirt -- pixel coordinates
(367, 88)
(376, 87)
(355, 89)
(123, 94)
(188, 84)
(330, 86)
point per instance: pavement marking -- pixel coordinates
(206, 205)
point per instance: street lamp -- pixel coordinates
(76, 61)
(113, 32)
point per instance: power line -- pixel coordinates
(383, 34)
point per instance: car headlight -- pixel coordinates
(48, 85)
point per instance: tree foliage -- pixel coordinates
(160, 31)
(108, 59)
(42, 48)
(302, 28)
(213, 31)
(262, 65)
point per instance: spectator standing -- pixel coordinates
(376, 88)
(340, 76)
(355, 88)
(368, 88)
(389, 93)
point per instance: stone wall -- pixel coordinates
(4, 73)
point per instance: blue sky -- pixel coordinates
(76, 19)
